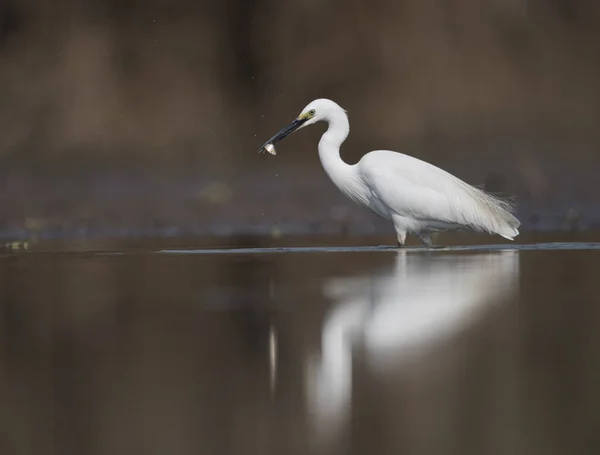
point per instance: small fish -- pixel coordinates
(270, 148)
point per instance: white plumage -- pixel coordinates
(417, 197)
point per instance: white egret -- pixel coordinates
(417, 197)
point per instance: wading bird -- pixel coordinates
(417, 197)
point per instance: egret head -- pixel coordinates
(315, 111)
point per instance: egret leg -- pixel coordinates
(425, 237)
(400, 228)
(401, 238)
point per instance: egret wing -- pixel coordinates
(414, 188)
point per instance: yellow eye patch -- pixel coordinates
(307, 115)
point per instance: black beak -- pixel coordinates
(284, 133)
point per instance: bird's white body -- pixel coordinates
(417, 197)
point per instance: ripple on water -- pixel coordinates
(349, 249)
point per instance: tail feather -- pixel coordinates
(495, 214)
(509, 236)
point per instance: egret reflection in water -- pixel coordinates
(398, 314)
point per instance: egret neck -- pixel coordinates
(341, 173)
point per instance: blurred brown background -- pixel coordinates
(146, 115)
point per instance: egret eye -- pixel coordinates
(311, 112)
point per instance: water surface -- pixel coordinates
(460, 350)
